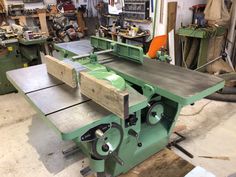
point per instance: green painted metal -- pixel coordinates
(93, 58)
(156, 114)
(33, 42)
(119, 49)
(30, 49)
(201, 32)
(202, 56)
(95, 66)
(113, 78)
(30, 52)
(22, 54)
(64, 53)
(153, 138)
(97, 165)
(112, 138)
(128, 52)
(101, 43)
(147, 89)
(204, 35)
(163, 56)
(9, 61)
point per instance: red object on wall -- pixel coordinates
(67, 5)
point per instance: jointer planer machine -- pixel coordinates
(124, 108)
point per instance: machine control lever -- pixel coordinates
(99, 133)
(133, 133)
(116, 158)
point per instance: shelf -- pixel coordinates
(130, 20)
(27, 16)
(138, 21)
(111, 16)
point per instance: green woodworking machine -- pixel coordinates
(124, 107)
(17, 53)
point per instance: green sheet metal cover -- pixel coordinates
(113, 78)
(122, 50)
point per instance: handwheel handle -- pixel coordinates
(116, 158)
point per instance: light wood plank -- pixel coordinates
(62, 71)
(171, 43)
(43, 22)
(105, 95)
(171, 16)
(22, 20)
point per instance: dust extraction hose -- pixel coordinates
(227, 94)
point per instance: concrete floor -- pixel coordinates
(29, 148)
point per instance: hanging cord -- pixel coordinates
(198, 112)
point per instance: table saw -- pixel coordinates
(114, 144)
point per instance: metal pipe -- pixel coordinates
(212, 61)
(87, 55)
(222, 97)
(103, 51)
(80, 56)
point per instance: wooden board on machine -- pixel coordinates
(61, 71)
(105, 95)
(162, 164)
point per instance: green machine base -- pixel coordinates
(113, 145)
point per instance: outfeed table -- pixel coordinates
(185, 86)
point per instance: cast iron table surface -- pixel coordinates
(64, 107)
(173, 80)
(76, 47)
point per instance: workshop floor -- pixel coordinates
(29, 148)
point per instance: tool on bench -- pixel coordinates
(163, 56)
(122, 111)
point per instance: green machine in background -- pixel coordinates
(114, 145)
(30, 50)
(15, 54)
(198, 37)
(10, 58)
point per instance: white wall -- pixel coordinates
(184, 14)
